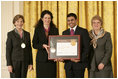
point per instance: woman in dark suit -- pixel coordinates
(44, 68)
(18, 49)
(101, 51)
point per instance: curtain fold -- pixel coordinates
(85, 10)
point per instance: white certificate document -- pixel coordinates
(66, 48)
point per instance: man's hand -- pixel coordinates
(59, 59)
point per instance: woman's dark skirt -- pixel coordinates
(46, 69)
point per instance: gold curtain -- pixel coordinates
(85, 10)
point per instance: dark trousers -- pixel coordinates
(74, 73)
(19, 69)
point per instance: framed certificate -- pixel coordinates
(64, 46)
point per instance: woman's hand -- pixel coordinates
(30, 67)
(100, 66)
(46, 47)
(10, 69)
(75, 60)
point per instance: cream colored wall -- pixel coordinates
(8, 10)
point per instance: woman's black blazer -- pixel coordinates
(14, 51)
(39, 39)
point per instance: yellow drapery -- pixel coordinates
(85, 10)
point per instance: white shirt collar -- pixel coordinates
(74, 28)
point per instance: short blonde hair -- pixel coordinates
(97, 17)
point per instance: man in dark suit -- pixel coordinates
(75, 68)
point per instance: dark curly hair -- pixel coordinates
(40, 22)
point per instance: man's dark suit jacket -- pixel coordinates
(14, 52)
(84, 49)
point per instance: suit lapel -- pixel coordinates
(51, 31)
(25, 37)
(43, 32)
(77, 31)
(16, 35)
(68, 32)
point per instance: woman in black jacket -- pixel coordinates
(18, 49)
(44, 68)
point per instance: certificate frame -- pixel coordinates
(59, 45)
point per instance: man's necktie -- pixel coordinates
(72, 32)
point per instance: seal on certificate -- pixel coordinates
(73, 42)
(23, 45)
(52, 50)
